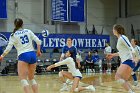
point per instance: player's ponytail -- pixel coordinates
(18, 24)
(72, 55)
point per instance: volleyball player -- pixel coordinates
(134, 43)
(126, 53)
(22, 39)
(70, 47)
(74, 73)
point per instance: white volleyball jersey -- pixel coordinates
(22, 40)
(137, 51)
(125, 48)
(107, 50)
(71, 66)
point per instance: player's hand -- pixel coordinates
(1, 58)
(38, 53)
(79, 66)
(136, 60)
(109, 56)
(48, 68)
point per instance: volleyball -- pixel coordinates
(45, 33)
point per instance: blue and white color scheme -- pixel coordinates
(45, 33)
(3, 9)
(68, 10)
(79, 40)
(76, 10)
(22, 41)
(125, 48)
(60, 10)
(3, 40)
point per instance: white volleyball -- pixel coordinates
(45, 33)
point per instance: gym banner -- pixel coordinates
(76, 10)
(3, 9)
(79, 40)
(60, 10)
(67, 10)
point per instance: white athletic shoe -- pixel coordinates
(130, 91)
(91, 87)
(64, 88)
(135, 83)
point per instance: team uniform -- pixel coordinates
(64, 50)
(69, 61)
(125, 51)
(22, 41)
(89, 62)
(71, 66)
(137, 50)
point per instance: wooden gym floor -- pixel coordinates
(50, 83)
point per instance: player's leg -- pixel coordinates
(31, 70)
(62, 76)
(100, 65)
(108, 65)
(75, 87)
(122, 75)
(22, 72)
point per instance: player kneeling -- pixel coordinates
(75, 74)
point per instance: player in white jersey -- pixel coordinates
(67, 47)
(108, 50)
(126, 53)
(134, 43)
(74, 73)
(22, 40)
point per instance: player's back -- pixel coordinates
(124, 48)
(23, 40)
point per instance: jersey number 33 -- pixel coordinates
(24, 39)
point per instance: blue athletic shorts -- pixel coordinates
(138, 63)
(129, 63)
(28, 57)
(78, 77)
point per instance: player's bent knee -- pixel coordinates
(33, 82)
(121, 81)
(24, 82)
(60, 74)
(76, 90)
